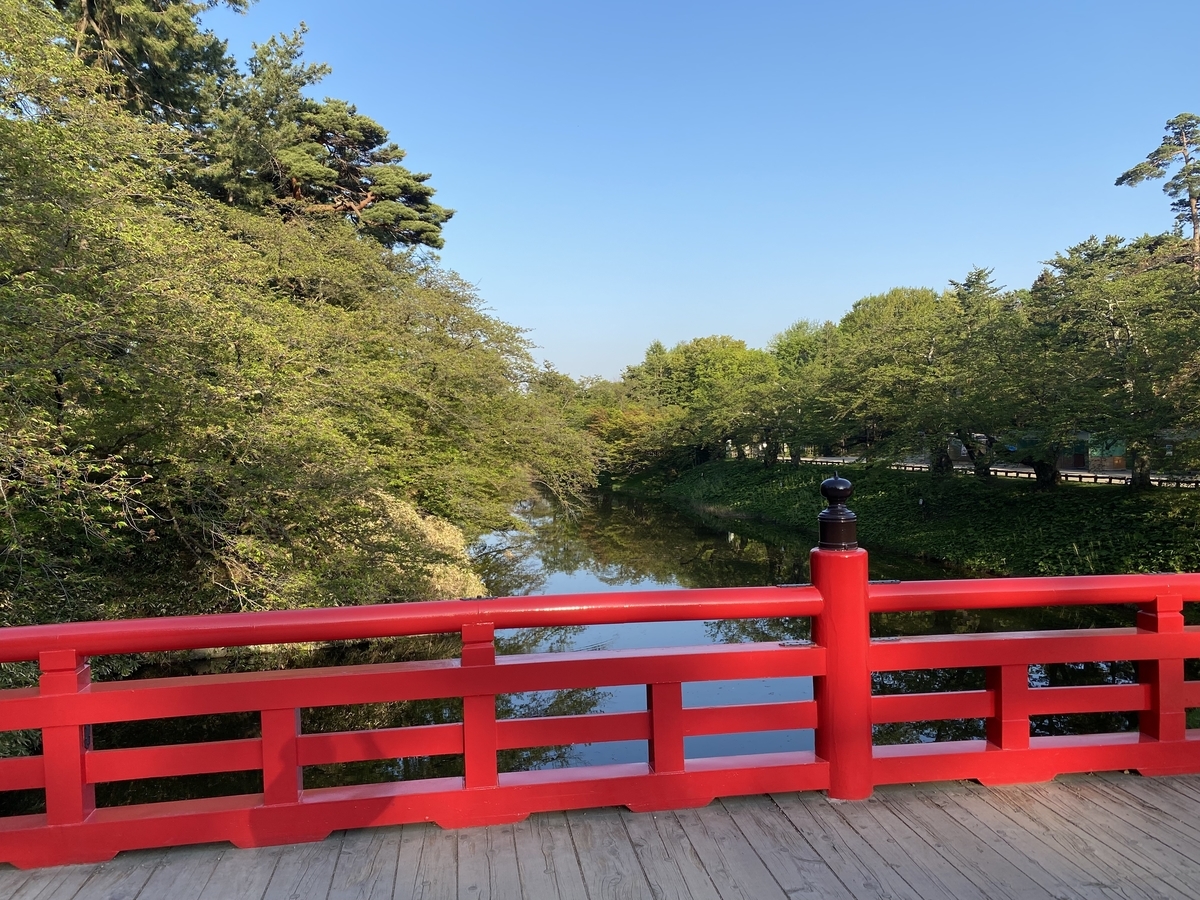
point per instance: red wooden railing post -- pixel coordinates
(479, 712)
(1008, 728)
(843, 628)
(69, 796)
(283, 778)
(1166, 719)
(665, 705)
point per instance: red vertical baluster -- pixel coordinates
(69, 796)
(479, 712)
(843, 693)
(665, 705)
(283, 778)
(1008, 729)
(1166, 719)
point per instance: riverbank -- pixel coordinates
(984, 526)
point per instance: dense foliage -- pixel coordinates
(1101, 350)
(229, 376)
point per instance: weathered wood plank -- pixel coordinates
(487, 864)
(119, 879)
(607, 859)
(124, 877)
(735, 869)
(856, 864)
(60, 881)
(546, 859)
(1041, 833)
(366, 865)
(183, 872)
(899, 848)
(435, 872)
(244, 874)
(1061, 876)
(995, 876)
(408, 883)
(11, 880)
(790, 859)
(1070, 832)
(305, 870)
(1171, 812)
(668, 858)
(1114, 836)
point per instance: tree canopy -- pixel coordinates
(212, 406)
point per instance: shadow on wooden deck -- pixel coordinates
(1091, 836)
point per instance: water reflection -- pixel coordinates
(616, 545)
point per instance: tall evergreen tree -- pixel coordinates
(1180, 144)
(274, 146)
(163, 65)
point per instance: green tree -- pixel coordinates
(205, 407)
(273, 146)
(1180, 145)
(162, 65)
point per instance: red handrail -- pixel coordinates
(842, 660)
(400, 619)
(1008, 593)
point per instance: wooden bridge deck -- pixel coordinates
(1094, 836)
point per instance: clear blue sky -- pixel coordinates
(626, 171)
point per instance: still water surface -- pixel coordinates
(625, 545)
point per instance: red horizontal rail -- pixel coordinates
(400, 619)
(22, 773)
(955, 651)
(379, 743)
(173, 759)
(1007, 593)
(926, 707)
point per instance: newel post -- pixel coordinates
(479, 711)
(70, 798)
(843, 694)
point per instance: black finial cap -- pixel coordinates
(838, 525)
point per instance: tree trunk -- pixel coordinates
(1046, 473)
(1139, 465)
(942, 464)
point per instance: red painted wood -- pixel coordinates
(282, 774)
(664, 703)
(1165, 716)
(392, 620)
(956, 651)
(22, 773)
(1008, 728)
(1000, 593)
(173, 759)
(843, 693)
(69, 796)
(751, 717)
(380, 743)
(841, 660)
(551, 731)
(1087, 699)
(244, 821)
(479, 711)
(923, 707)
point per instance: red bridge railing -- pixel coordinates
(841, 659)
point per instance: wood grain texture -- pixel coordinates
(546, 858)
(366, 865)
(607, 859)
(1109, 837)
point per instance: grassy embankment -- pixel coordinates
(992, 525)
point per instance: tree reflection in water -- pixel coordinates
(616, 544)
